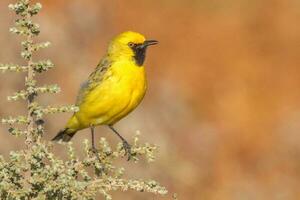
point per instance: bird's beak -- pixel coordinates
(150, 42)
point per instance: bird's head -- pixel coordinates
(130, 45)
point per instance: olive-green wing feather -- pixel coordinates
(94, 80)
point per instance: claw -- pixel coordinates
(98, 170)
(96, 152)
(127, 149)
(126, 146)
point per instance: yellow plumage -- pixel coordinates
(114, 89)
(121, 90)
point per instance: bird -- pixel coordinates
(114, 89)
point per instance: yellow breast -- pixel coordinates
(121, 90)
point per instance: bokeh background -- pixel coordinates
(224, 89)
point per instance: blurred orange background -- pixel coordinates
(223, 102)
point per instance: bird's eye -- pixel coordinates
(131, 44)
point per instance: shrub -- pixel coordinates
(36, 172)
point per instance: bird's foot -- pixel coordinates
(98, 166)
(95, 151)
(127, 149)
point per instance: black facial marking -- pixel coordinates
(139, 53)
(140, 50)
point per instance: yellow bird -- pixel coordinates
(114, 89)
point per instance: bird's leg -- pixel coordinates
(93, 138)
(126, 145)
(94, 149)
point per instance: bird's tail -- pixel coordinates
(64, 135)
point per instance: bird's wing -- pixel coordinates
(93, 80)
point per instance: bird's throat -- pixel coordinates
(139, 55)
